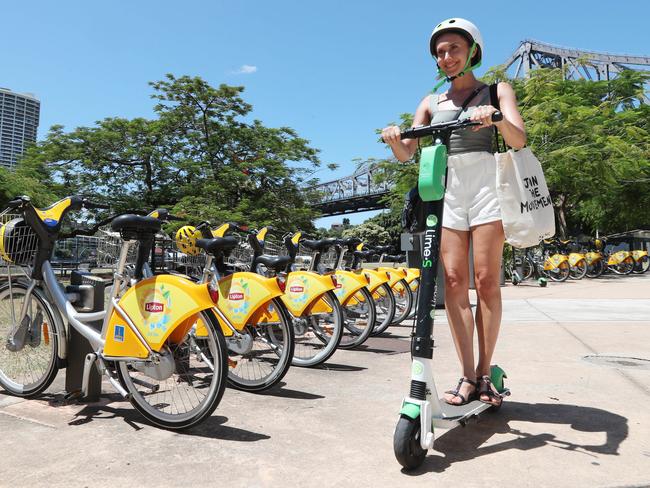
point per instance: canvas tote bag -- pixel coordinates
(526, 205)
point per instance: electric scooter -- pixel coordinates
(422, 411)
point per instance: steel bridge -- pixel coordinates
(359, 192)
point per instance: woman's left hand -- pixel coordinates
(482, 114)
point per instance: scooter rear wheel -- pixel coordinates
(406, 443)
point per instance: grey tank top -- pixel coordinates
(464, 140)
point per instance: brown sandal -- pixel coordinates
(456, 392)
(485, 388)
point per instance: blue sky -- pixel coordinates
(334, 71)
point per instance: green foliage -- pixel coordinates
(201, 156)
(369, 232)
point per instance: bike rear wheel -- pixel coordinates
(578, 271)
(595, 269)
(186, 386)
(403, 301)
(358, 319)
(318, 335)
(28, 347)
(261, 357)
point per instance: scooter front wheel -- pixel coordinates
(406, 443)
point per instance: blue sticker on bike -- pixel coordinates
(118, 335)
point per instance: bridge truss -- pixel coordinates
(578, 64)
(358, 192)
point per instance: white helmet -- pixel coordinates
(464, 28)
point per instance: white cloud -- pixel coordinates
(245, 69)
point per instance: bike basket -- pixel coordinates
(18, 242)
(241, 257)
(168, 256)
(109, 247)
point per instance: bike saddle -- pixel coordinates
(383, 249)
(363, 254)
(319, 245)
(217, 244)
(132, 226)
(276, 263)
(349, 241)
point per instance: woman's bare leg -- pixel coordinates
(454, 252)
(487, 243)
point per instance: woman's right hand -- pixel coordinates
(391, 135)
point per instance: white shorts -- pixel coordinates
(471, 195)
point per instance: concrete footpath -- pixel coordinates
(577, 356)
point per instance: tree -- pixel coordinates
(370, 233)
(201, 156)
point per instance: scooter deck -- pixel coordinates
(459, 413)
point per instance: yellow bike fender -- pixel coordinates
(394, 274)
(575, 258)
(555, 261)
(303, 288)
(348, 283)
(618, 257)
(637, 254)
(412, 274)
(242, 294)
(593, 257)
(376, 278)
(157, 306)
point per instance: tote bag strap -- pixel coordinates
(494, 101)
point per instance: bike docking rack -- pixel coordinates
(86, 292)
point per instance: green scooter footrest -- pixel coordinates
(496, 376)
(433, 168)
(411, 410)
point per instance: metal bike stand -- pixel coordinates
(89, 291)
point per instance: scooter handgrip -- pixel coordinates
(497, 116)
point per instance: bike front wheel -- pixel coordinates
(385, 306)
(318, 335)
(28, 344)
(560, 273)
(261, 354)
(358, 319)
(403, 301)
(185, 386)
(642, 265)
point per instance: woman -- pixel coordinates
(471, 208)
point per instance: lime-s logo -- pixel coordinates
(427, 263)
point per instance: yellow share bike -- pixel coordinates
(147, 344)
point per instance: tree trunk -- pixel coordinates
(561, 215)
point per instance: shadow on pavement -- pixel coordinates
(458, 445)
(213, 428)
(279, 390)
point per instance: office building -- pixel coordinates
(19, 116)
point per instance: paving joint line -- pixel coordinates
(633, 381)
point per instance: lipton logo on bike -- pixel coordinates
(154, 307)
(297, 289)
(236, 295)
